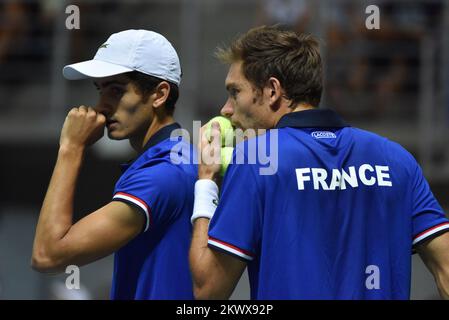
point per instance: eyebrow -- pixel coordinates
(231, 85)
(109, 83)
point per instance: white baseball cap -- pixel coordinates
(131, 50)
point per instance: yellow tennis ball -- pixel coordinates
(226, 157)
(226, 130)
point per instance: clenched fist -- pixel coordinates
(209, 149)
(83, 126)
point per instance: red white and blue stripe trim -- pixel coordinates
(431, 231)
(136, 201)
(229, 248)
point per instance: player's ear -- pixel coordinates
(160, 94)
(273, 92)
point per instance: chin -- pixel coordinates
(237, 125)
(116, 135)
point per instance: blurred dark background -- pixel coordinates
(393, 81)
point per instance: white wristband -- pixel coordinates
(206, 199)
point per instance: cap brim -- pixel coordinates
(92, 69)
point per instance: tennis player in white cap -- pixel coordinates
(147, 222)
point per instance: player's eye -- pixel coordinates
(233, 93)
(117, 91)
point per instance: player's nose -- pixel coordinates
(227, 110)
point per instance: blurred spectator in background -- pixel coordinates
(22, 30)
(382, 64)
(289, 14)
(343, 23)
(12, 28)
(25, 46)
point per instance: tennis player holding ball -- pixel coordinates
(227, 140)
(342, 214)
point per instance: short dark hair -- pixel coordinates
(293, 59)
(146, 84)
